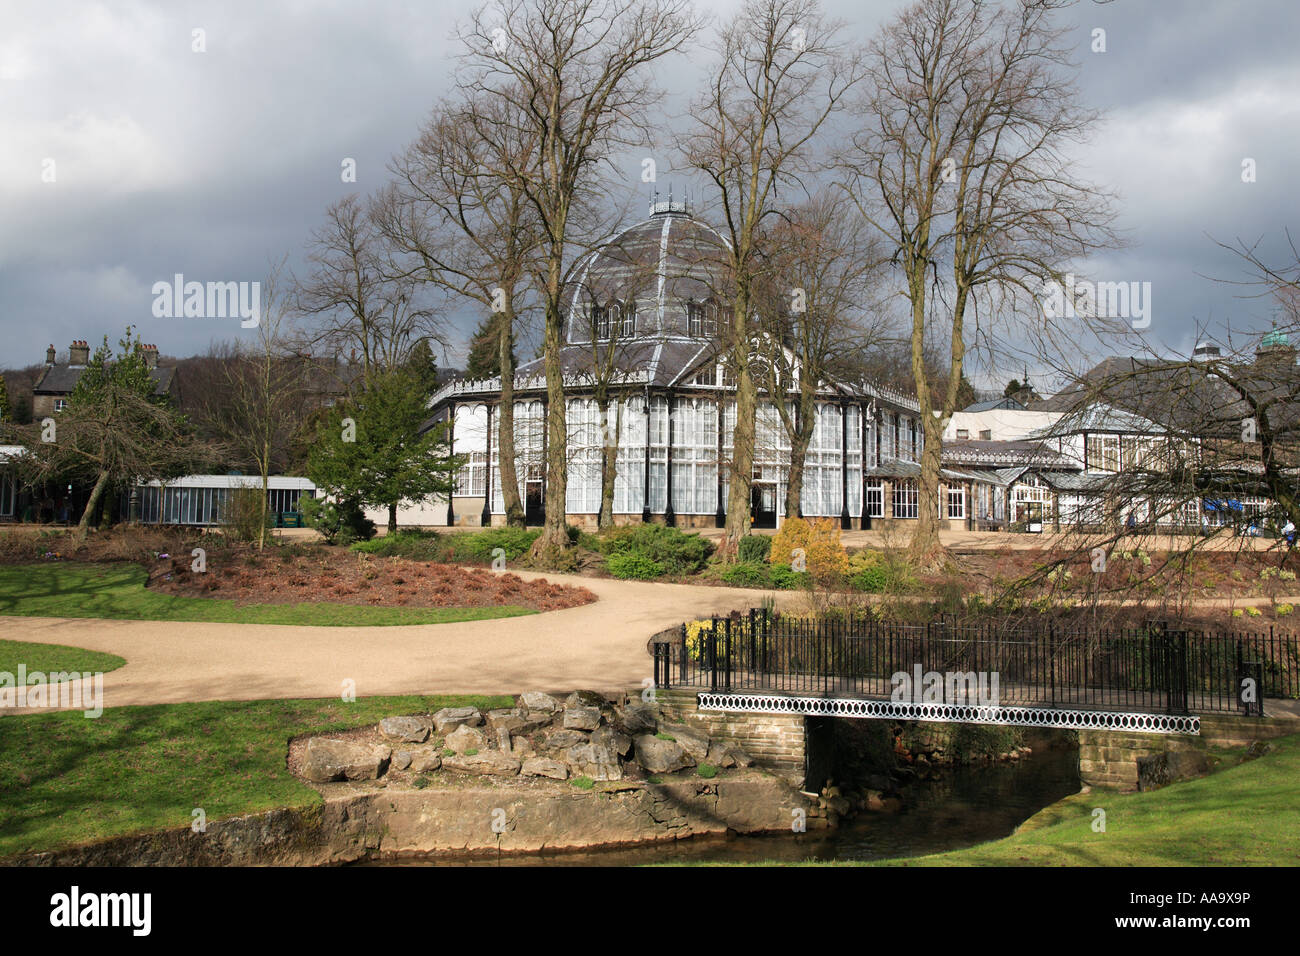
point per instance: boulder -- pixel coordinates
(660, 756)
(531, 723)
(585, 698)
(581, 718)
(449, 718)
(492, 762)
(595, 761)
(521, 746)
(694, 742)
(638, 718)
(564, 739)
(518, 723)
(327, 760)
(535, 701)
(509, 723)
(424, 759)
(721, 755)
(611, 739)
(544, 767)
(401, 759)
(409, 730)
(741, 758)
(503, 739)
(466, 738)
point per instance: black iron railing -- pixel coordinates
(1158, 668)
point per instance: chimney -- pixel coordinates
(78, 353)
(150, 355)
(49, 355)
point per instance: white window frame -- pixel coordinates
(906, 498)
(959, 513)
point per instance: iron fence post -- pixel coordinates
(753, 641)
(1051, 658)
(713, 655)
(726, 654)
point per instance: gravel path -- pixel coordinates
(601, 646)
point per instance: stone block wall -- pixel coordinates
(777, 742)
(1108, 758)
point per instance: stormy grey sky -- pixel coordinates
(215, 164)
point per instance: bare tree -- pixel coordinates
(361, 303)
(459, 211)
(960, 165)
(257, 409)
(820, 308)
(780, 74)
(573, 74)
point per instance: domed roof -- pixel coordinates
(1275, 338)
(666, 267)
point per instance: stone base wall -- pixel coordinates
(412, 822)
(1109, 758)
(777, 742)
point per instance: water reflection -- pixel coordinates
(966, 807)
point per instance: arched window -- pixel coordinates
(695, 318)
(628, 326)
(702, 318)
(599, 321)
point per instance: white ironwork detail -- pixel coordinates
(953, 713)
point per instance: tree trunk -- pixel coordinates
(506, 426)
(266, 497)
(926, 548)
(555, 535)
(608, 464)
(392, 518)
(805, 422)
(742, 464)
(92, 506)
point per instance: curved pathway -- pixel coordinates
(601, 646)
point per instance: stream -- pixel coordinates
(965, 807)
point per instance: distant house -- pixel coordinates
(53, 389)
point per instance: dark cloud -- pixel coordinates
(216, 164)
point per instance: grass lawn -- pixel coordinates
(66, 780)
(52, 658)
(1244, 814)
(117, 591)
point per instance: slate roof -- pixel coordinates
(976, 452)
(1182, 397)
(62, 379)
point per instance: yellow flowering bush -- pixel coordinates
(824, 554)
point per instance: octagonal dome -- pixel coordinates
(661, 278)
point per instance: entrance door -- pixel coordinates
(534, 503)
(762, 510)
